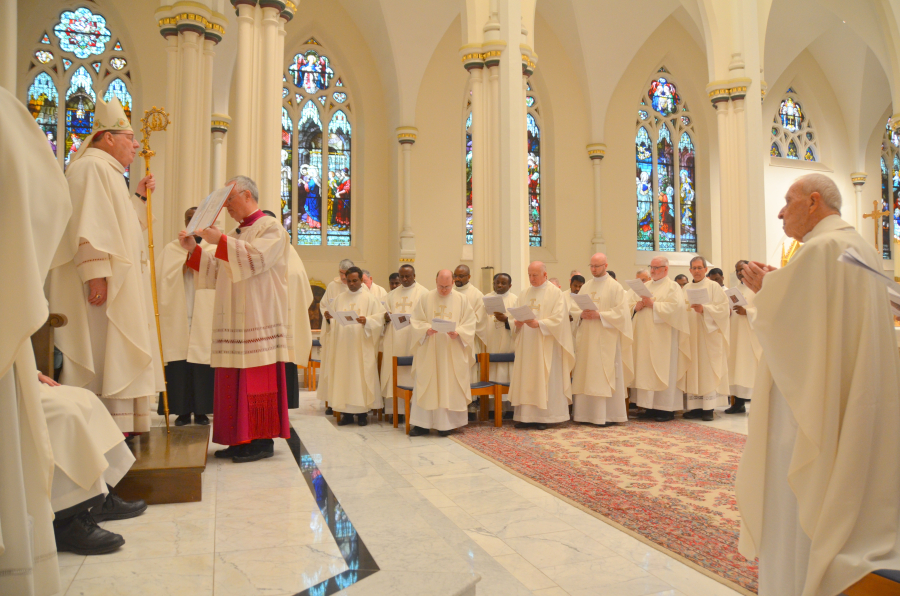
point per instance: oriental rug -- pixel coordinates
(671, 485)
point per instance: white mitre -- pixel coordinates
(107, 116)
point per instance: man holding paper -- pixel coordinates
(353, 351)
(661, 346)
(336, 286)
(604, 366)
(498, 336)
(818, 486)
(540, 388)
(462, 285)
(443, 329)
(398, 334)
(744, 350)
(706, 380)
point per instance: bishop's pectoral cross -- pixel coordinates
(403, 304)
(875, 215)
(441, 314)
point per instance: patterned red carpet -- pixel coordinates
(671, 484)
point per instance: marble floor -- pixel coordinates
(434, 517)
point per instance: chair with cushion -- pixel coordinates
(311, 367)
(401, 392)
(484, 387)
(884, 582)
(500, 388)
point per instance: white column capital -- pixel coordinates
(596, 151)
(858, 178)
(406, 135)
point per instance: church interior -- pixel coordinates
(490, 134)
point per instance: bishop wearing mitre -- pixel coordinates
(818, 487)
(186, 321)
(353, 351)
(398, 337)
(113, 350)
(744, 350)
(603, 368)
(252, 329)
(661, 346)
(540, 388)
(462, 284)
(706, 379)
(336, 286)
(498, 336)
(442, 360)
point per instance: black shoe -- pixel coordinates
(648, 414)
(692, 414)
(183, 420)
(201, 419)
(253, 452)
(708, 416)
(539, 426)
(329, 411)
(130, 439)
(362, 419)
(508, 415)
(608, 424)
(115, 507)
(81, 535)
(664, 416)
(228, 452)
(523, 425)
(418, 431)
(739, 406)
(444, 433)
(345, 419)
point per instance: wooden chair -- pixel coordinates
(484, 387)
(42, 343)
(880, 583)
(311, 367)
(401, 392)
(500, 389)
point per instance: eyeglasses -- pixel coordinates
(129, 135)
(655, 267)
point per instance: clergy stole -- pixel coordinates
(707, 371)
(744, 350)
(596, 341)
(828, 345)
(334, 288)
(352, 354)
(500, 340)
(653, 329)
(441, 364)
(530, 379)
(185, 314)
(398, 342)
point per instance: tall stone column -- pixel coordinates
(406, 135)
(218, 128)
(481, 213)
(596, 152)
(9, 29)
(243, 85)
(173, 64)
(859, 180)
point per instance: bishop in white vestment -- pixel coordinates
(540, 388)
(818, 487)
(744, 350)
(603, 368)
(442, 360)
(398, 337)
(334, 287)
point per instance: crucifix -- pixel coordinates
(874, 216)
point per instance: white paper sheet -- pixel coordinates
(346, 317)
(851, 257)
(735, 297)
(442, 326)
(584, 302)
(400, 320)
(638, 287)
(494, 304)
(522, 313)
(697, 295)
(208, 210)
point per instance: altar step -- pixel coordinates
(167, 467)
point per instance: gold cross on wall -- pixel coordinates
(874, 216)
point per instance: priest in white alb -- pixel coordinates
(186, 320)
(373, 287)
(353, 351)
(661, 346)
(442, 360)
(398, 337)
(540, 388)
(744, 350)
(113, 350)
(706, 379)
(818, 487)
(498, 335)
(463, 285)
(603, 368)
(334, 287)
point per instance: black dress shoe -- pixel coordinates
(539, 426)
(329, 411)
(362, 419)
(418, 431)
(444, 433)
(648, 414)
(253, 452)
(345, 419)
(664, 416)
(201, 419)
(115, 507)
(708, 416)
(508, 415)
(693, 414)
(228, 452)
(183, 420)
(523, 425)
(81, 535)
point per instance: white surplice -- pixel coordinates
(300, 298)
(334, 287)
(398, 342)
(540, 386)
(441, 364)
(744, 350)
(353, 356)
(185, 313)
(822, 468)
(603, 367)
(706, 379)
(499, 339)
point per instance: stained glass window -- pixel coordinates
(792, 151)
(287, 146)
(885, 201)
(43, 103)
(792, 132)
(45, 39)
(687, 194)
(809, 155)
(529, 101)
(468, 157)
(82, 32)
(791, 115)
(665, 172)
(774, 151)
(534, 181)
(322, 99)
(644, 178)
(80, 101)
(118, 63)
(339, 177)
(117, 88)
(117, 47)
(43, 56)
(663, 96)
(66, 63)
(340, 97)
(311, 71)
(309, 178)
(894, 205)
(96, 67)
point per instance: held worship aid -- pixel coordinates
(522, 313)
(209, 209)
(399, 320)
(697, 295)
(735, 298)
(584, 302)
(638, 287)
(442, 326)
(494, 304)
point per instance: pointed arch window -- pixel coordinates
(67, 78)
(890, 190)
(664, 169)
(793, 135)
(468, 158)
(316, 170)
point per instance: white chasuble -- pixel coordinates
(110, 349)
(500, 339)
(334, 288)
(744, 350)
(300, 297)
(474, 297)
(829, 352)
(185, 313)
(604, 367)
(706, 379)
(353, 357)
(398, 342)
(251, 326)
(380, 294)
(540, 386)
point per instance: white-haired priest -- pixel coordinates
(253, 330)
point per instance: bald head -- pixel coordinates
(599, 265)
(444, 282)
(537, 273)
(809, 200)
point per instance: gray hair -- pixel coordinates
(701, 259)
(823, 185)
(345, 264)
(665, 261)
(366, 273)
(642, 271)
(242, 183)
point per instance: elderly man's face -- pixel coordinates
(407, 277)
(354, 282)
(658, 269)
(461, 277)
(367, 280)
(444, 284)
(343, 274)
(240, 204)
(120, 144)
(797, 211)
(643, 276)
(536, 275)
